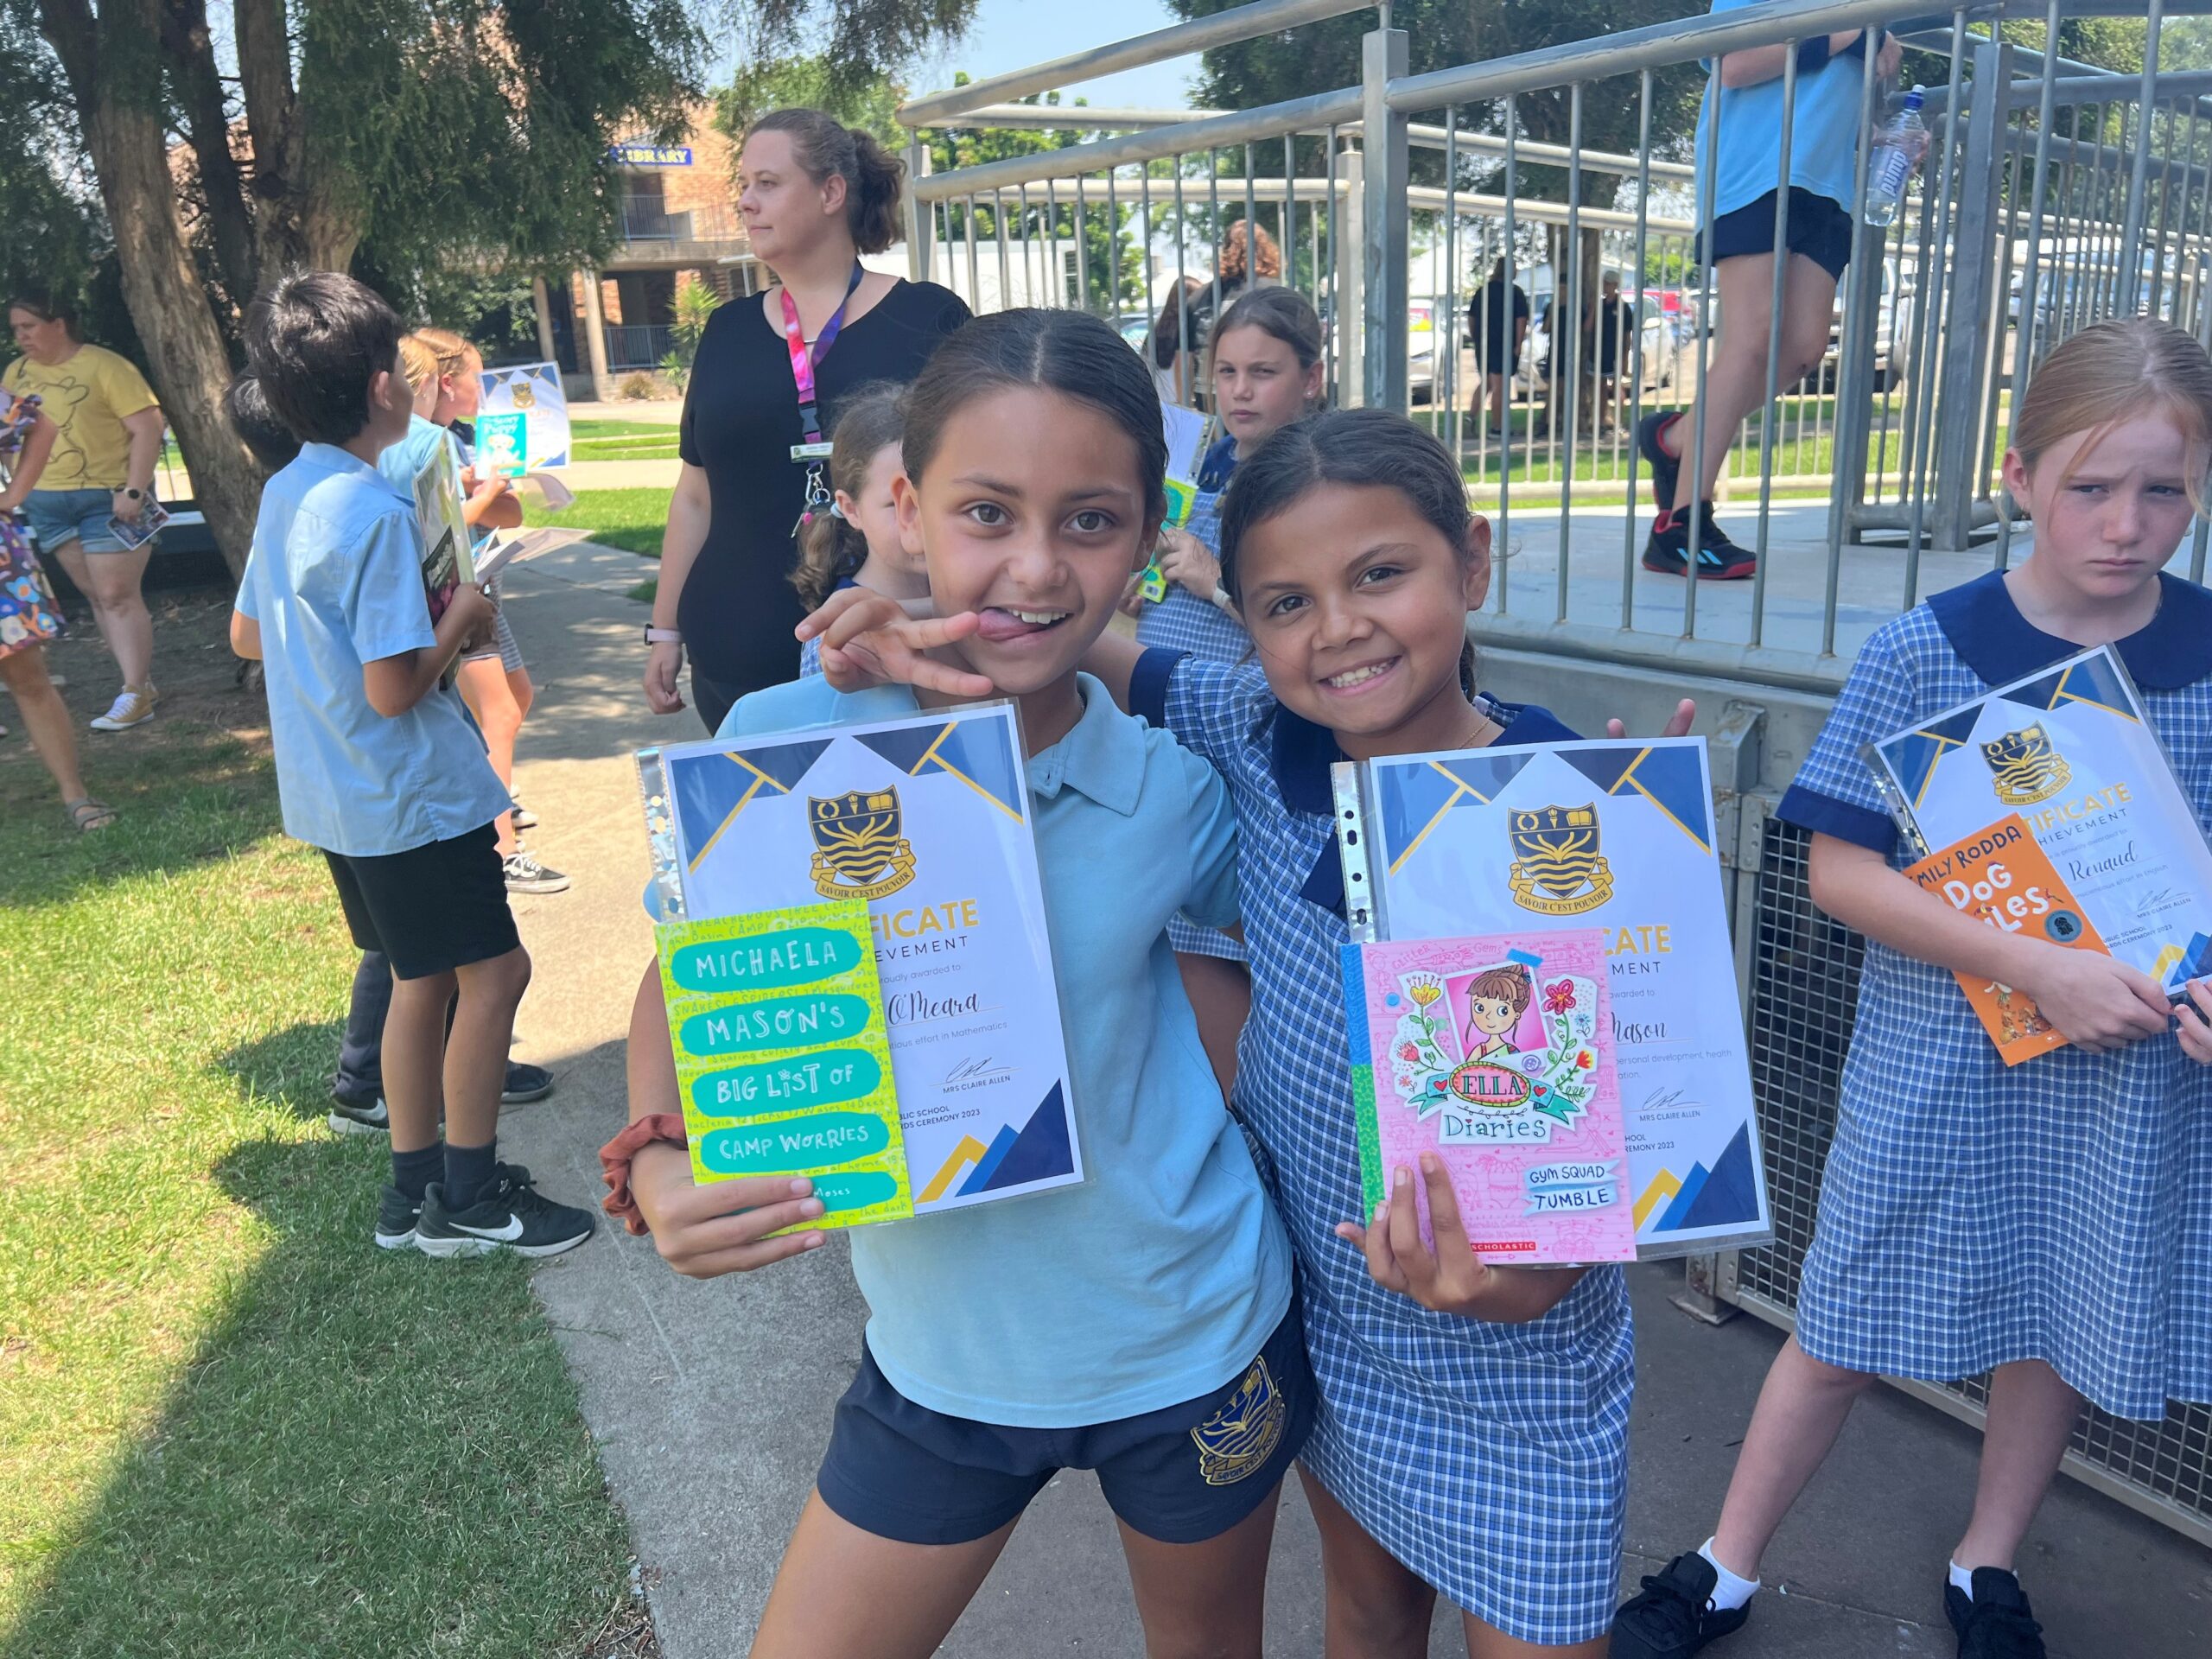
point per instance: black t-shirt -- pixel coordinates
(740, 419)
(1615, 328)
(1491, 319)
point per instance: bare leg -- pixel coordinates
(1488, 1642)
(843, 1593)
(1221, 996)
(1375, 1606)
(1802, 1409)
(46, 718)
(483, 686)
(111, 582)
(414, 1058)
(1501, 405)
(2031, 1417)
(1735, 383)
(1204, 1601)
(476, 1047)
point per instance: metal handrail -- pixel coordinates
(1179, 40)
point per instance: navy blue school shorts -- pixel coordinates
(1180, 1475)
(1819, 228)
(431, 908)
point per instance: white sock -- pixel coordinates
(1729, 1592)
(1962, 1580)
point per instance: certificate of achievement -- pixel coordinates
(1497, 1055)
(925, 820)
(2073, 753)
(1616, 836)
(776, 1018)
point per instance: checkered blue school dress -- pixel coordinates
(1183, 621)
(1974, 1213)
(1489, 1458)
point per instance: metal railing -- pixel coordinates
(637, 345)
(648, 218)
(1897, 425)
(2053, 194)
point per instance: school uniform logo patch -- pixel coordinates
(1558, 870)
(1240, 1438)
(2027, 767)
(858, 851)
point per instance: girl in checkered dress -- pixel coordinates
(2050, 1222)
(1472, 1431)
(1267, 374)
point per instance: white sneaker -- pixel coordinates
(133, 706)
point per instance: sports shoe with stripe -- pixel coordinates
(510, 1214)
(396, 1217)
(1719, 559)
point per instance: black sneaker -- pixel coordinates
(525, 1083)
(1719, 559)
(525, 874)
(1994, 1623)
(1673, 1616)
(359, 1116)
(1665, 468)
(508, 1215)
(397, 1219)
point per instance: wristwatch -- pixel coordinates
(663, 637)
(131, 494)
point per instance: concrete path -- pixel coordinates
(711, 1403)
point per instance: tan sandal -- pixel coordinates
(89, 814)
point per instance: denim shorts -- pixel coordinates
(57, 517)
(1181, 1476)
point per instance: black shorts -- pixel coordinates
(1181, 1475)
(1819, 228)
(430, 908)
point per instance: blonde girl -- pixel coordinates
(2049, 1224)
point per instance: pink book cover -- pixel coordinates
(1496, 1054)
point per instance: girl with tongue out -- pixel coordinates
(1142, 1324)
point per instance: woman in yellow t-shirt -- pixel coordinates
(109, 438)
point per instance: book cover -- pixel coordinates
(777, 1022)
(2003, 877)
(1495, 1053)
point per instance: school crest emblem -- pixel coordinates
(1238, 1440)
(1557, 869)
(526, 395)
(858, 851)
(2028, 769)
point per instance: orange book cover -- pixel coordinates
(2000, 875)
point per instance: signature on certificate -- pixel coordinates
(2157, 900)
(981, 1070)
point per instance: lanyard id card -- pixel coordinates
(805, 359)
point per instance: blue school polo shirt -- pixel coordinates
(1158, 1279)
(412, 454)
(334, 580)
(1824, 135)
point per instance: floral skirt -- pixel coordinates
(28, 615)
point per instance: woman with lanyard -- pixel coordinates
(764, 391)
(1267, 374)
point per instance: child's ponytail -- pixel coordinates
(831, 549)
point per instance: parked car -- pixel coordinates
(1135, 327)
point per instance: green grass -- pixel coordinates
(635, 519)
(624, 440)
(228, 1424)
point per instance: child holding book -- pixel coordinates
(2048, 1223)
(1126, 1325)
(378, 766)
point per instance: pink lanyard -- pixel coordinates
(803, 359)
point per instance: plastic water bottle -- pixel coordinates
(1897, 150)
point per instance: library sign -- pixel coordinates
(652, 154)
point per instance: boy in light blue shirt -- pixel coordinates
(378, 764)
